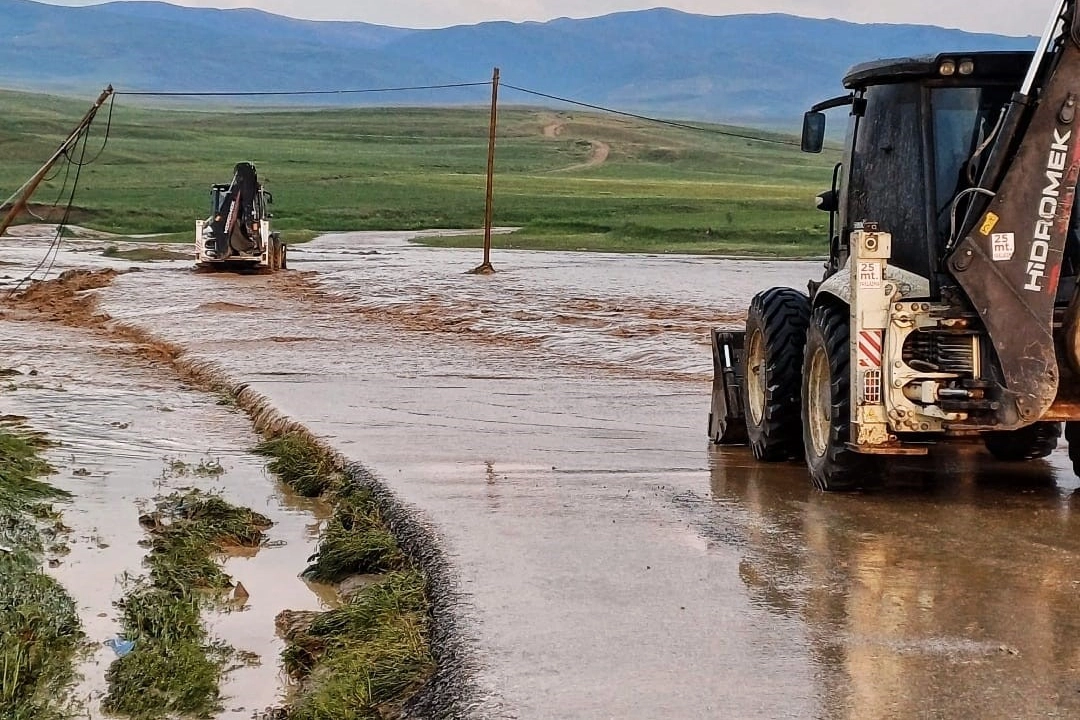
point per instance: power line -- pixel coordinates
(105, 142)
(82, 136)
(646, 118)
(446, 86)
(294, 93)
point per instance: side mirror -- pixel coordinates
(269, 198)
(813, 132)
(828, 201)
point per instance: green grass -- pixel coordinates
(364, 659)
(356, 541)
(299, 464)
(293, 237)
(368, 657)
(40, 632)
(634, 239)
(174, 667)
(402, 168)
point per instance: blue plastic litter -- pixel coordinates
(120, 646)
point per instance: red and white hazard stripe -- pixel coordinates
(870, 348)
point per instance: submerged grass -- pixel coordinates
(356, 541)
(174, 668)
(40, 633)
(299, 464)
(367, 658)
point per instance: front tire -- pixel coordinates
(826, 402)
(775, 336)
(1030, 443)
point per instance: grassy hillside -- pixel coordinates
(658, 188)
(753, 69)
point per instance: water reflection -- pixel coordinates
(950, 594)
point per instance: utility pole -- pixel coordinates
(486, 268)
(26, 191)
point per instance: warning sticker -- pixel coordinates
(870, 348)
(989, 224)
(870, 275)
(1003, 246)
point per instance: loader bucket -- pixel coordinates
(727, 417)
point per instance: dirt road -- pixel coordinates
(599, 151)
(549, 423)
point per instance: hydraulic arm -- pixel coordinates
(1009, 259)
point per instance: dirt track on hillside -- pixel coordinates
(599, 151)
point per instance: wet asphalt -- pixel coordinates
(549, 425)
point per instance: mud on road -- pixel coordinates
(547, 423)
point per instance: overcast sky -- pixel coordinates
(1010, 17)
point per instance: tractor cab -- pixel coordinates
(919, 132)
(219, 199)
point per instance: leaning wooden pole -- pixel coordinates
(486, 266)
(31, 185)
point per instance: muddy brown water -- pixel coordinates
(549, 422)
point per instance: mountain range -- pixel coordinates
(739, 68)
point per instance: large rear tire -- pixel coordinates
(775, 336)
(1030, 443)
(826, 403)
(276, 256)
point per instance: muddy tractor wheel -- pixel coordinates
(826, 403)
(1030, 443)
(775, 335)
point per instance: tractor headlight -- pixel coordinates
(948, 68)
(967, 67)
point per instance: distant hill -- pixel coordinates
(738, 68)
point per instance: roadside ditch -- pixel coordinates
(390, 648)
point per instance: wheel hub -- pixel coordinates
(819, 402)
(755, 376)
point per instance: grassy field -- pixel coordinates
(41, 633)
(659, 188)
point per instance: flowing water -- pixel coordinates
(548, 422)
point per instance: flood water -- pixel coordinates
(549, 423)
(125, 434)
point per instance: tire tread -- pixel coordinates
(784, 315)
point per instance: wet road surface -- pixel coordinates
(549, 422)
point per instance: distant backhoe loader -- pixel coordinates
(237, 235)
(950, 305)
